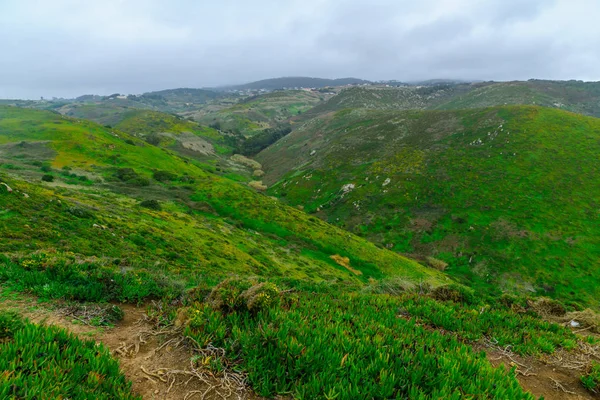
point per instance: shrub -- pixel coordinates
(131, 177)
(455, 293)
(548, 307)
(591, 380)
(151, 204)
(226, 296)
(260, 297)
(437, 264)
(80, 212)
(47, 178)
(164, 176)
(46, 168)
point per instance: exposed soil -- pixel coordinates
(158, 364)
(543, 379)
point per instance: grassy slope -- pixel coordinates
(211, 226)
(580, 97)
(506, 196)
(256, 113)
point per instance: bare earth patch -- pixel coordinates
(158, 362)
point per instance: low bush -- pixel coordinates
(151, 204)
(164, 176)
(455, 293)
(47, 178)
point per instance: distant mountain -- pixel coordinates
(294, 82)
(434, 82)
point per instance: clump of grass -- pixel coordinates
(394, 286)
(548, 307)
(591, 380)
(151, 204)
(437, 264)
(455, 293)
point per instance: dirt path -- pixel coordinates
(542, 378)
(158, 364)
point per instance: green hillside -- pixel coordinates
(308, 310)
(575, 96)
(579, 97)
(503, 199)
(388, 98)
(256, 113)
(206, 224)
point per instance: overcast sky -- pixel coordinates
(66, 48)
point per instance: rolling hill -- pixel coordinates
(257, 113)
(264, 294)
(503, 198)
(575, 96)
(103, 173)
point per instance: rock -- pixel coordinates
(574, 324)
(8, 189)
(313, 152)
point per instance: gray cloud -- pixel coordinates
(70, 47)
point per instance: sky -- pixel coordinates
(66, 48)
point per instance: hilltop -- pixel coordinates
(294, 82)
(505, 198)
(575, 96)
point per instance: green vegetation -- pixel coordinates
(148, 207)
(506, 197)
(321, 342)
(591, 380)
(207, 227)
(253, 115)
(47, 362)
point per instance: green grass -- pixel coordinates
(47, 362)
(506, 196)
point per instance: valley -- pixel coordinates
(345, 239)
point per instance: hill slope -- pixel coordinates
(92, 214)
(506, 196)
(213, 225)
(579, 97)
(256, 113)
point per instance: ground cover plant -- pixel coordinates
(47, 362)
(334, 342)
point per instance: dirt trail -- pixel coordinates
(543, 379)
(158, 365)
